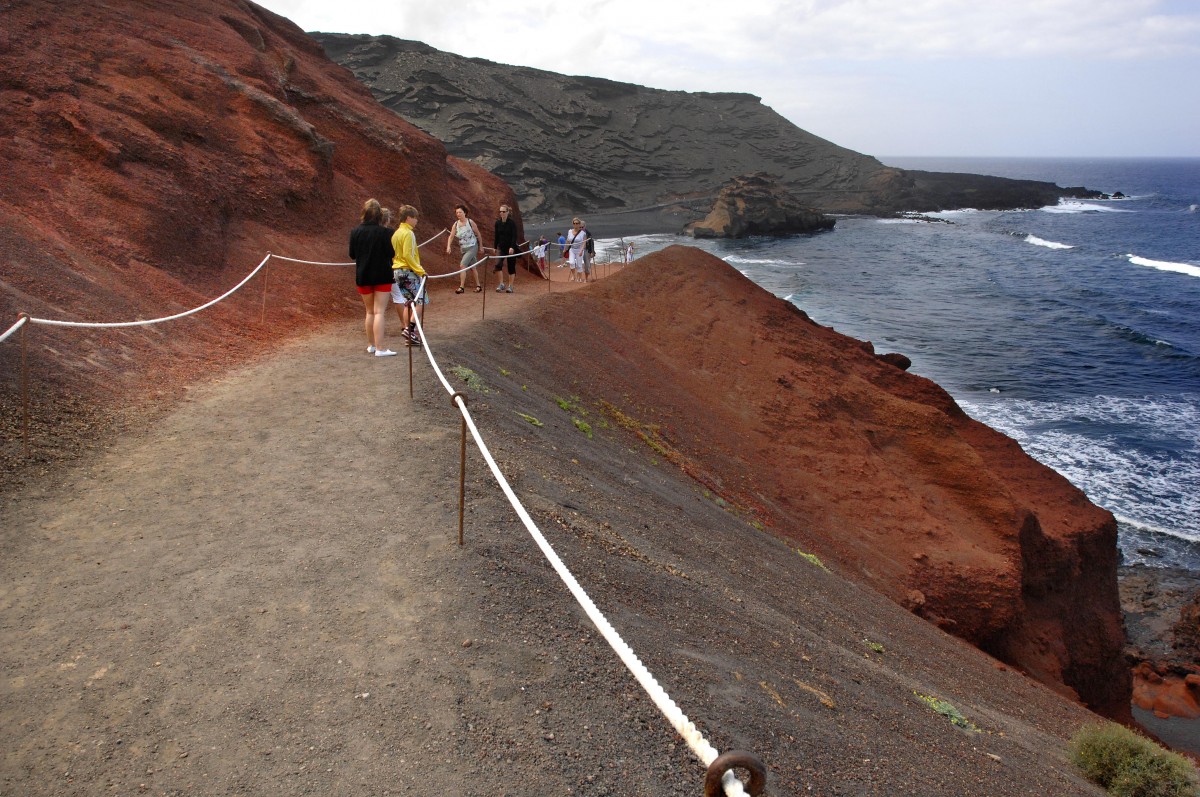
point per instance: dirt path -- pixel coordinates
(261, 593)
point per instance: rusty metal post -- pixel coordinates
(263, 318)
(24, 383)
(486, 290)
(410, 348)
(462, 467)
(735, 759)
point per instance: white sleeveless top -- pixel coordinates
(465, 235)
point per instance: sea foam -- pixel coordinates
(1162, 265)
(1075, 206)
(1086, 440)
(1033, 239)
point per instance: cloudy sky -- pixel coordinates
(884, 77)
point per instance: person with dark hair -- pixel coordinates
(469, 238)
(505, 241)
(372, 253)
(406, 265)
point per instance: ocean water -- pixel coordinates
(1075, 329)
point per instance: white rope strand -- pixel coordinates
(111, 325)
(20, 323)
(683, 726)
(460, 271)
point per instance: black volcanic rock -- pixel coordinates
(581, 144)
(757, 205)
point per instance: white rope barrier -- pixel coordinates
(460, 271)
(20, 323)
(114, 324)
(679, 721)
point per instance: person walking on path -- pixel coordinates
(576, 240)
(372, 253)
(467, 234)
(506, 244)
(406, 292)
(539, 254)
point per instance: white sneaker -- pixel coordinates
(384, 353)
(370, 350)
(500, 288)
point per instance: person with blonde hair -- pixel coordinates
(372, 253)
(407, 293)
(467, 234)
(576, 241)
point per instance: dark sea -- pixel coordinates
(1074, 328)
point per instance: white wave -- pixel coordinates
(1193, 208)
(1162, 265)
(1033, 239)
(899, 221)
(1076, 206)
(1152, 486)
(750, 261)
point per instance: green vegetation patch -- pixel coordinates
(948, 711)
(531, 419)
(1130, 765)
(878, 648)
(812, 559)
(583, 426)
(472, 379)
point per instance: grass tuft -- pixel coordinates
(948, 711)
(1130, 765)
(531, 419)
(472, 379)
(812, 559)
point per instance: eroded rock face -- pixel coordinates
(877, 471)
(579, 144)
(757, 205)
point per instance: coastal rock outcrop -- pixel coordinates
(581, 144)
(876, 471)
(757, 205)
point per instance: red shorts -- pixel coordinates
(367, 290)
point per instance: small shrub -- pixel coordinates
(531, 419)
(1129, 765)
(812, 559)
(947, 710)
(583, 427)
(474, 382)
(875, 646)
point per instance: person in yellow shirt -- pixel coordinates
(406, 266)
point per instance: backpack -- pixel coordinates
(591, 247)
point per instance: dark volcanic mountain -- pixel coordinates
(575, 144)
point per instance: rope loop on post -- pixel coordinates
(722, 767)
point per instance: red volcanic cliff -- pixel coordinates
(154, 152)
(878, 470)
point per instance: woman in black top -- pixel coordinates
(371, 249)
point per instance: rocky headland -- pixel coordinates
(585, 145)
(757, 205)
(157, 152)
